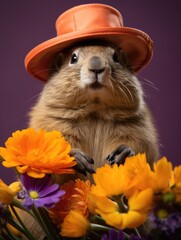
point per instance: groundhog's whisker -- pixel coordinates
(147, 82)
(124, 84)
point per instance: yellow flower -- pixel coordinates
(138, 207)
(176, 176)
(162, 175)
(101, 203)
(177, 173)
(136, 164)
(74, 225)
(175, 183)
(112, 183)
(75, 198)
(7, 193)
(139, 172)
(38, 153)
(110, 180)
(142, 177)
(134, 175)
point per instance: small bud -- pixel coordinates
(168, 197)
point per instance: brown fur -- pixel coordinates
(96, 121)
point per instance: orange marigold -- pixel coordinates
(38, 153)
(75, 198)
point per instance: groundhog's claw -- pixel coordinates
(119, 155)
(84, 162)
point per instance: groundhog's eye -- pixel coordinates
(74, 58)
(115, 57)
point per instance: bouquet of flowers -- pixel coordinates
(130, 201)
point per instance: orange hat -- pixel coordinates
(86, 22)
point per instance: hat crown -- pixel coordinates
(87, 17)
(90, 22)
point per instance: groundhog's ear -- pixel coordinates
(58, 61)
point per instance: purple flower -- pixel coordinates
(40, 192)
(113, 235)
(118, 235)
(166, 220)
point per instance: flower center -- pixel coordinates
(33, 194)
(162, 213)
(22, 194)
(122, 202)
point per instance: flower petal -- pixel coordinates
(28, 202)
(102, 204)
(74, 225)
(141, 201)
(163, 170)
(6, 194)
(48, 190)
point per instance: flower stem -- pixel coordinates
(28, 234)
(94, 235)
(98, 220)
(99, 228)
(138, 234)
(49, 224)
(42, 224)
(2, 238)
(10, 235)
(18, 204)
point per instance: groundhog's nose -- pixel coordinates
(96, 64)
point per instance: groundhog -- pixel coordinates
(96, 101)
(92, 94)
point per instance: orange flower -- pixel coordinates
(38, 153)
(74, 225)
(75, 198)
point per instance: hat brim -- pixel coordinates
(134, 42)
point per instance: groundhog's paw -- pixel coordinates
(84, 162)
(119, 155)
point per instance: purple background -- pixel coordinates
(24, 24)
